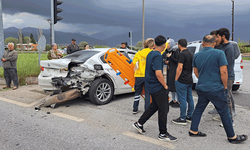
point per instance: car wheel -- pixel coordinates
(101, 91)
(235, 87)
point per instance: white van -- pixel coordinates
(196, 46)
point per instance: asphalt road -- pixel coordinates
(79, 124)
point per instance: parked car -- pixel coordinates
(196, 46)
(87, 71)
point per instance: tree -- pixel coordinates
(48, 47)
(11, 39)
(32, 39)
(26, 40)
(139, 44)
(82, 44)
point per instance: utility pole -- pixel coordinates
(50, 23)
(232, 20)
(2, 50)
(143, 21)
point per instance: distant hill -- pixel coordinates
(62, 38)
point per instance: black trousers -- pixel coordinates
(10, 74)
(160, 103)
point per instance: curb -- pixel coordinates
(28, 80)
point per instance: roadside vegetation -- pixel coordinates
(242, 46)
(246, 58)
(27, 66)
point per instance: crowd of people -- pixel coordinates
(213, 66)
(71, 48)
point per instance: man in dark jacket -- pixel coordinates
(73, 47)
(9, 65)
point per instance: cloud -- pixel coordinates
(17, 21)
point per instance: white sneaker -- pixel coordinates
(217, 118)
(221, 125)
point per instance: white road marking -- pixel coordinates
(150, 140)
(15, 102)
(68, 117)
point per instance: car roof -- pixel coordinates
(106, 49)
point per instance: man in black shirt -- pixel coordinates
(183, 84)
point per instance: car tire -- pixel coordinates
(235, 87)
(101, 91)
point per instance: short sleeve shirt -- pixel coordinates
(186, 58)
(208, 62)
(153, 62)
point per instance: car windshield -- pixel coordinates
(81, 56)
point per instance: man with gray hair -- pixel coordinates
(210, 67)
(9, 60)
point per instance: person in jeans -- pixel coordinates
(139, 62)
(156, 86)
(210, 67)
(9, 60)
(184, 83)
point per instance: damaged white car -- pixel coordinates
(86, 71)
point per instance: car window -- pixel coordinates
(81, 56)
(191, 49)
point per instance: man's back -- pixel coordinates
(186, 58)
(208, 62)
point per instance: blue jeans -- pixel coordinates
(184, 95)
(220, 102)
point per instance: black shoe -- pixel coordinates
(171, 103)
(176, 105)
(138, 128)
(239, 139)
(167, 137)
(189, 119)
(199, 134)
(180, 121)
(135, 111)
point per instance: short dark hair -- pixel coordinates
(124, 43)
(85, 45)
(224, 31)
(209, 39)
(213, 32)
(160, 40)
(182, 42)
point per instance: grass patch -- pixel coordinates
(246, 58)
(27, 66)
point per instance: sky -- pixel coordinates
(120, 16)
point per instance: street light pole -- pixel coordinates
(50, 23)
(143, 21)
(232, 20)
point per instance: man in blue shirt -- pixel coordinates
(156, 86)
(210, 67)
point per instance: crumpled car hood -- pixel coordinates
(57, 63)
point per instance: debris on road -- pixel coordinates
(58, 98)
